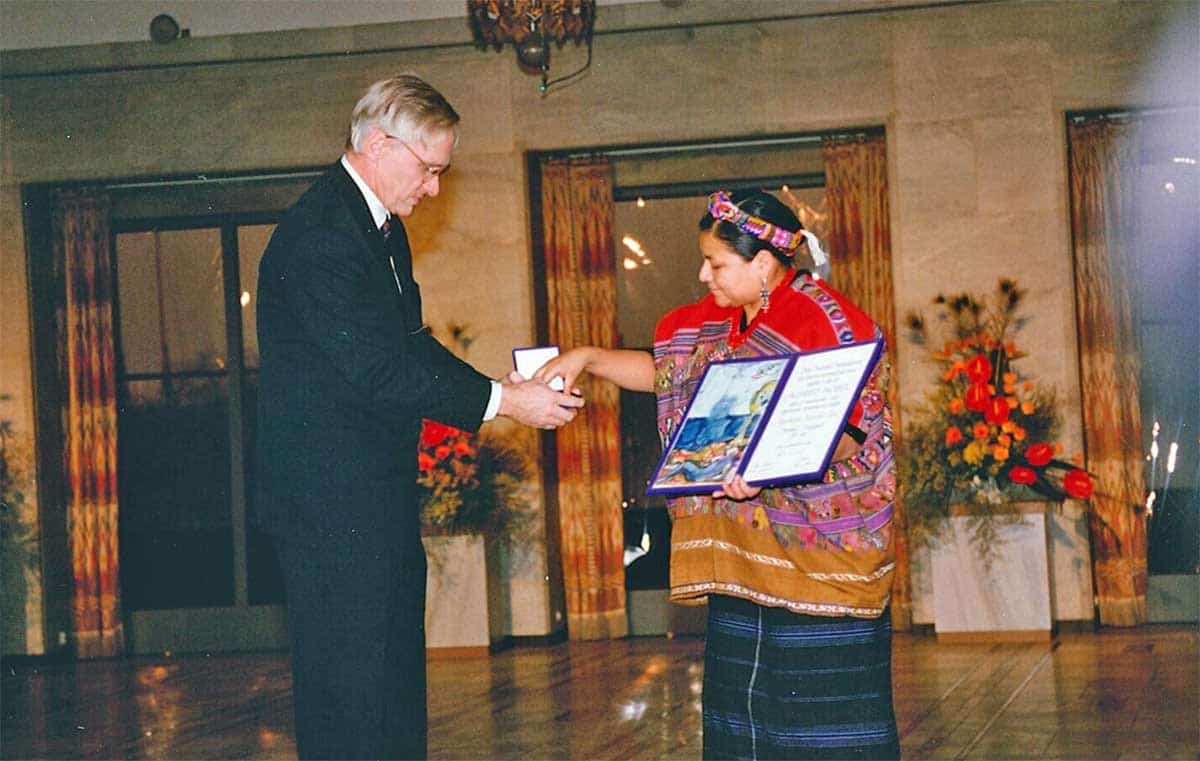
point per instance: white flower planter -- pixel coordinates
(1010, 601)
(464, 597)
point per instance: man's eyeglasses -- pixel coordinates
(430, 170)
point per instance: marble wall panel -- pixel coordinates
(1012, 155)
(953, 65)
(471, 257)
(825, 73)
(648, 87)
(1119, 48)
(940, 159)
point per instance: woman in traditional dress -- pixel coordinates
(797, 578)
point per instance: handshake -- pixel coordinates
(537, 401)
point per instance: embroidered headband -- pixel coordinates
(722, 208)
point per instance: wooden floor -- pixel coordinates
(1109, 695)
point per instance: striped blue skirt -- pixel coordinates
(784, 685)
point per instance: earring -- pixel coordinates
(765, 296)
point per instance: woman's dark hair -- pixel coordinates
(764, 206)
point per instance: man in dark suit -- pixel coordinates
(348, 371)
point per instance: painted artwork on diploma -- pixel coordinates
(771, 419)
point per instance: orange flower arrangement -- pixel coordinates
(985, 433)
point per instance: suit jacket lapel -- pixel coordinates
(410, 292)
(394, 247)
(360, 213)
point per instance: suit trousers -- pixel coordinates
(356, 621)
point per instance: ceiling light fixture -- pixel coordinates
(531, 25)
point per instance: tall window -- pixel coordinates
(1167, 296)
(187, 368)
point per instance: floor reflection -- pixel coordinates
(1115, 694)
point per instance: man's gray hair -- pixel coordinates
(406, 107)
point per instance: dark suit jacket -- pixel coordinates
(347, 372)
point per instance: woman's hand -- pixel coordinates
(569, 366)
(631, 369)
(737, 489)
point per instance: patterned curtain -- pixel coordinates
(577, 209)
(1103, 171)
(860, 253)
(87, 376)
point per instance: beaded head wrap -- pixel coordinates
(722, 208)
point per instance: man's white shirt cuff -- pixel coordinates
(493, 405)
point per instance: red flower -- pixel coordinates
(977, 397)
(425, 463)
(953, 436)
(442, 452)
(1019, 474)
(1039, 454)
(434, 433)
(997, 410)
(1078, 484)
(979, 369)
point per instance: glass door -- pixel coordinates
(194, 575)
(1167, 302)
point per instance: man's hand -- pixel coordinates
(533, 403)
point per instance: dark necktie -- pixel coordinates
(386, 228)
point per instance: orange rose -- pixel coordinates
(956, 405)
(982, 430)
(1027, 407)
(953, 436)
(999, 453)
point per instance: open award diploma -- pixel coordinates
(774, 420)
